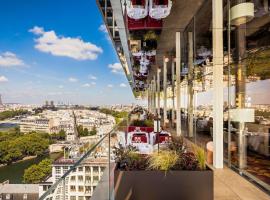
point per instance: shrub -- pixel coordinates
(129, 159)
(163, 160)
(188, 161)
(200, 156)
(38, 172)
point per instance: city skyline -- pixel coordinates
(49, 53)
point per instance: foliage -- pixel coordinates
(116, 114)
(85, 132)
(150, 35)
(119, 116)
(177, 145)
(59, 136)
(128, 159)
(258, 63)
(200, 156)
(15, 145)
(142, 123)
(163, 160)
(38, 172)
(188, 162)
(12, 113)
(175, 157)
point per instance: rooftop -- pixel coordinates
(19, 188)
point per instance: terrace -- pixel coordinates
(202, 69)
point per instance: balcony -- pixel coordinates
(227, 184)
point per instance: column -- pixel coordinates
(173, 86)
(149, 97)
(158, 92)
(218, 83)
(165, 62)
(240, 88)
(178, 83)
(154, 96)
(190, 84)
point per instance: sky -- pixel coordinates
(58, 50)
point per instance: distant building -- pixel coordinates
(19, 192)
(36, 124)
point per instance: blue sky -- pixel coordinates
(58, 50)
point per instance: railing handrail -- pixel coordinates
(50, 190)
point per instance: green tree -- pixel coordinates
(37, 173)
(14, 146)
(85, 132)
(80, 130)
(11, 113)
(62, 135)
(93, 131)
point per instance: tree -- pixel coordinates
(62, 135)
(14, 146)
(85, 132)
(93, 131)
(80, 130)
(11, 113)
(38, 172)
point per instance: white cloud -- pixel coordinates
(110, 86)
(103, 28)
(72, 80)
(3, 79)
(86, 85)
(89, 84)
(123, 85)
(75, 48)
(92, 77)
(37, 30)
(116, 68)
(60, 86)
(9, 59)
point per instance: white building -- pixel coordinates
(80, 183)
(37, 124)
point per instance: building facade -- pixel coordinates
(80, 183)
(19, 192)
(209, 76)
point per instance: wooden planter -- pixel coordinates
(156, 185)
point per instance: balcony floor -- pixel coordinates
(228, 185)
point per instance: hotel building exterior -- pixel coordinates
(204, 70)
(203, 67)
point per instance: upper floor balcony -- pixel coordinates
(143, 163)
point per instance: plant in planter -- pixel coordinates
(150, 40)
(142, 123)
(163, 160)
(129, 159)
(201, 157)
(150, 35)
(174, 173)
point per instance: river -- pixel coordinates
(14, 172)
(6, 126)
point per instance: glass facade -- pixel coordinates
(246, 84)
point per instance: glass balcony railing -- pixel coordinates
(86, 172)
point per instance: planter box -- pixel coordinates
(155, 185)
